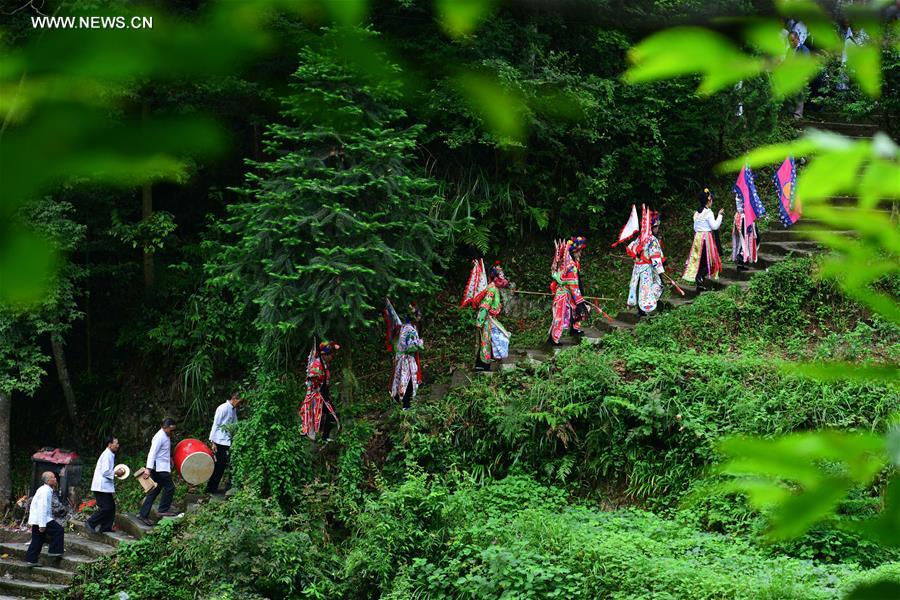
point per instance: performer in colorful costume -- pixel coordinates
(704, 259)
(646, 286)
(318, 397)
(744, 240)
(569, 306)
(407, 373)
(483, 294)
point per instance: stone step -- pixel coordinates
(773, 252)
(129, 523)
(856, 130)
(88, 547)
(792, 247)
(628, 317)
(675, 302)
(883, 204)
(614, 325)
(592, 335)
(28, 589)
(883, 209)
(800, 234)
(110, 538)
(11, 568)
(737, 274)
(436, 392)
(70, 560)
(536, 356)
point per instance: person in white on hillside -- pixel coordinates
(104, 487)
(220, 439)
(43, 528)
(159, 468)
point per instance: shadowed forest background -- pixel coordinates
(181, 218)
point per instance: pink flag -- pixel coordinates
(745, 188)
(785, 180)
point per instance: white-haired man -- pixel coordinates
(43, 528)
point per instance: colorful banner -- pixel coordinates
(745, 188)
(785, 181)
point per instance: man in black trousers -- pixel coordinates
(43, 528)
(104, 487)
(159, 468)
(220, 439)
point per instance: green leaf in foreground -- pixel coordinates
(688, 51)
(800, 478)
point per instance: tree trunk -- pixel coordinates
(88, 325)
(5, 479)
(62, 370)
(147, 213)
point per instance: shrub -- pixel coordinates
(243, 548)
(271, 457)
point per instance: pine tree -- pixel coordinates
(337, 217)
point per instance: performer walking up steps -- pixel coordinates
(483, 294)
(744, 239)
(569, 306)
(749, 208)
(646, 286)
(318, 397)
(704, 259)
(407, 374)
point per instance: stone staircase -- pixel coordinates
(775, 245)
(82, 547)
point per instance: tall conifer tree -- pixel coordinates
(339, 214)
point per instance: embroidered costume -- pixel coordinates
(646, 287)
(407, 375)
(483, 294)
(704, 259)
(569, 306)
(318, 398)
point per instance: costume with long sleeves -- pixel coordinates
(704, 259)
(407, 376)
(744, 240)
(492, 338)
(646, 288)
(569, 305)
(317, 397)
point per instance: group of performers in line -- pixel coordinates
(569, 309)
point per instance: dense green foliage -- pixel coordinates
(505, 488)
(375, 147)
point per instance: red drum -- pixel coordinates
(194, 461)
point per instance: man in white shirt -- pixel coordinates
(220, 439)
(159, 468)
(40, 517)
(104, 486)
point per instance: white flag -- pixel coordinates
(631, 227)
